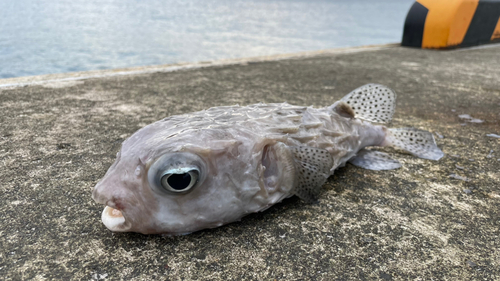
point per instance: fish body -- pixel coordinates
(209, 168)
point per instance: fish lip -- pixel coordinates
(113, 222)
(115, 219)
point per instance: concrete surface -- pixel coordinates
(428, 220)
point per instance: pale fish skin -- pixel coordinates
(230, 161)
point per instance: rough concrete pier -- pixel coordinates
(428, 220)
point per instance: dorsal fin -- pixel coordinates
(343, 109)
(372, 102)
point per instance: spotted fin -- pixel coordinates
(343, 109)
(312, 166)
(374, 160)
(372, 102)
(418, 142)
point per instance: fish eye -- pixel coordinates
(176, 173)
(179, 182)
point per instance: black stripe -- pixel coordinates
(413, 31)
(483, 23)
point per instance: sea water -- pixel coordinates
(56, 36)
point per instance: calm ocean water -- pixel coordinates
(55, 36)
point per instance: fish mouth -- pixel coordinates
(112, 216)
(114, 220)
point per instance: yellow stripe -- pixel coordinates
(496, 33)
(447, 21)
(462, 20)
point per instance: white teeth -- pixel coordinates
(114, 220)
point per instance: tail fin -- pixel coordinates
(372, 102)
(376, 103)
(418, 142)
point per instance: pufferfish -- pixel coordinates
(212, 167)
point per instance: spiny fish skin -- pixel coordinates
(208, 168)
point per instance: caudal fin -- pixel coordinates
(372, 102)
(377, 103)
(418, 142)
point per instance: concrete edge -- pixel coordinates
(74, 76)
(485, 46)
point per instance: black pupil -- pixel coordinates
(179, 181)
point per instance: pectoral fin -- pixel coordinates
(374, 160)
(312, 167)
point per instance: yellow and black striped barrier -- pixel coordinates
(443, 24)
